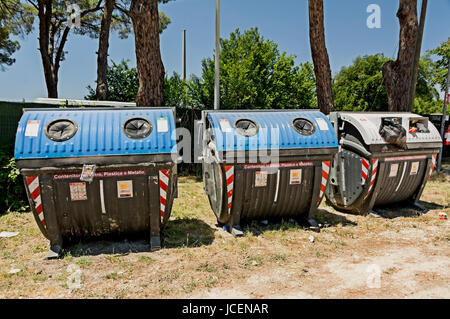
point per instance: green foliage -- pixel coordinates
(441, 65)
(360, 87)
(16, 19)
(123, 83)
(12, 192)
(426, 107)
(254, 74)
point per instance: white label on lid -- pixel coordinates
(225, 126)
(323, 125)
(32, 128)
(163, 125)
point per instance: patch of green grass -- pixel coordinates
(206, 267)
(188, 232)
(211, 281)
(120, 294)
(112, 275)
(278, 257)
(84, 262)
(39, 249)
(40, 278)
(250, 261)
(114, 259)
(189, 286)
(316, 252)
(146, 259)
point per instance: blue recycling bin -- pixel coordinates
(98, 172)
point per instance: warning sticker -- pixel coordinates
(261, 179)
(78, 191)
(414, 168)
(394, 170)
(225, 126)
(296, 176)
(32, 128)
(162, 124)
(125, 189)
(323, 125)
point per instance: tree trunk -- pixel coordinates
(145, 17)
(397, 74)
(51, 77)
(320, 57)
(103, 46)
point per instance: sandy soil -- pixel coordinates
(356, 257)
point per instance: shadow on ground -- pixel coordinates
(187, 232)
(405, 210)
(182, 232)
(322, 217)
(107, 247)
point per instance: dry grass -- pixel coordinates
(278, 261)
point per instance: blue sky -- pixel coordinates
(283, 21)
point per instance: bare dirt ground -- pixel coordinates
(356, 257)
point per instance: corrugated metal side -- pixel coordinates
(100, 132)
(269, 122)
(293, 200)
(398, 188)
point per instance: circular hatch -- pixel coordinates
(137, 128)
(304, 126)
(246, 127)
(61, 130)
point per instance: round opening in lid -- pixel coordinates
(61, 130)
(304, 126)
(137, 128)
(246, 127)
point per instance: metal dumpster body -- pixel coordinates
(241, 187)
(128, 191)
(369, 172)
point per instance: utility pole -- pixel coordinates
(444, 115)
(217, 59)
(415, 70)
(184, 56)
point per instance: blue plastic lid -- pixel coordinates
(47, 133)
(274, 130)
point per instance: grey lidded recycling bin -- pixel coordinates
(98, 171)
(241, 187)
(383, 158)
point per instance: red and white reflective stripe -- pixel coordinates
(323, 185)
(433, 164)
(163, 186)
(447, 137)
(229, 173)
(35, 193)
(365, 170)
(374, 175)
